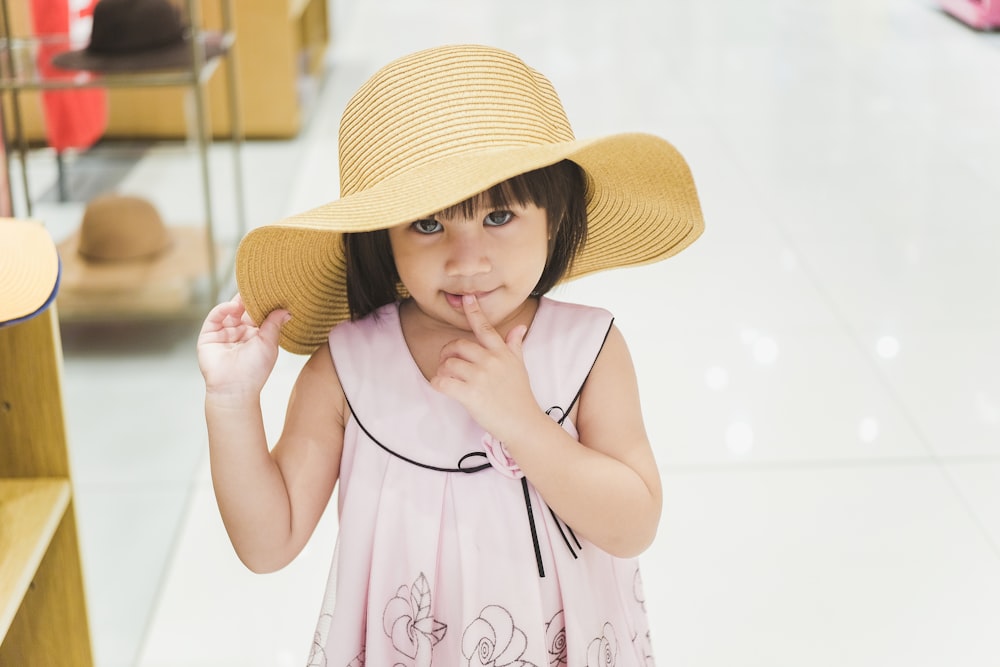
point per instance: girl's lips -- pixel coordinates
(455, 300)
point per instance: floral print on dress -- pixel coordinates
(603, 651)
(317, 654)
(500, 458)
(492, 640)
(640, 597)
(407, 621)
(555, 639)
(643, 642)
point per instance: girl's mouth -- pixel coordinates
(455, 300)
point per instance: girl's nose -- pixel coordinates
(467, 254)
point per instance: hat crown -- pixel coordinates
(120, 228)
(444, 102)
(130, 26)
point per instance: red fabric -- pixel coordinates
(73, 118)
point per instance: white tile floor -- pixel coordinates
(820, 372)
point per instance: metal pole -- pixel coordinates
(202, 122)
(22, 144)
(235, 116)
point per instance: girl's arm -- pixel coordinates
(270, 501)
(607, 485)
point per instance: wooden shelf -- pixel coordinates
(30, 513)
(43, 610)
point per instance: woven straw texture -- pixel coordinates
(431, 130)
(29, 268)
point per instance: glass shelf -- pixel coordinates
(32, 69)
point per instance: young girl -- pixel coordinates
(496, 480)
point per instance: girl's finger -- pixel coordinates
(270, 328)
(485, 333)
(515, 339)
(463, 349)
(217, 316)
(454, 367)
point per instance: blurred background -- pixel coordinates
(820, 372)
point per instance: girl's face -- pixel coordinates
(498, 255)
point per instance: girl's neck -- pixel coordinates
(425, 336)
(419, 323)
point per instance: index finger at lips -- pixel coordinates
(485, 333)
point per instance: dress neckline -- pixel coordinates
(397, 327)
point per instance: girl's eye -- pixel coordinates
(427, 226)
(498, 218)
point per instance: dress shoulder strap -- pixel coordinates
(568, 339)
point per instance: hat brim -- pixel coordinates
(29, 271)
(163, 281)
(642, 207)
(173, 57)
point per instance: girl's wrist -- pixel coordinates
(521, 433)
(232, 398)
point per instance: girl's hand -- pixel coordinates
(236, 356)
(488, 376)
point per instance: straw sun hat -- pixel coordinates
(29, 270)
(434, 128)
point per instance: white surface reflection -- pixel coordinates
(765, 351)
(739, 438)
(868, 429)
(887, 347)
(717, 378)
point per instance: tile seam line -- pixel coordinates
(822, 464)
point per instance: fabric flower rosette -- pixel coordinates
(500, 458)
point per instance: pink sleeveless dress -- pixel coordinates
(446, 555)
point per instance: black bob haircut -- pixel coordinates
(559, 189)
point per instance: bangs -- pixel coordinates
(534, 187)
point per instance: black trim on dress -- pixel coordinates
(484, 466)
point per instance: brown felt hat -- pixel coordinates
(431, 130)
(137, 36)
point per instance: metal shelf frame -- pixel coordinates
(17, 74)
